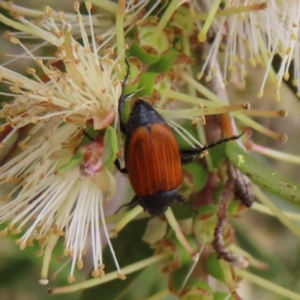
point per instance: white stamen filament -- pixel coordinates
(184, 134)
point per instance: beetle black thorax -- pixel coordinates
(143, 114)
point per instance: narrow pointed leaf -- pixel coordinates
(262, 175)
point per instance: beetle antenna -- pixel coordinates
(118, 165)
(126, 75)
(198, 150)
(182, 200)
(235, 137)
(134, 200)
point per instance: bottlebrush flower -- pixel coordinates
(254, 32)
(42, 203)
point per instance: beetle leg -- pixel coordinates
(187, 159)
(182, 200)
(122, 98)
(121, 170)
(198, 150)
(134, 200)
(129, 95)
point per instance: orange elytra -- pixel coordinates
(153, 156)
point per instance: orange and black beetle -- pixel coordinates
(153, 156)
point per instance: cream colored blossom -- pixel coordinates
(42, 203)
(51, 205)
(256, 36)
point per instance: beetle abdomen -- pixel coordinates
(153, 160)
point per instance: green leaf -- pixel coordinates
(181, 20)
(204, 227)
(146, 84)
(213, 267)
(198, 174)
(179, 253)
(126, 110)
(110, 147)
(193, 287)
(262, 175)
(177, 277)
(182, 211)
(141, 54)
(165, 63)
(207, 210)
(76, 160)
(218, 155)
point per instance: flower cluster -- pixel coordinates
(54, 111)
(271, 29)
